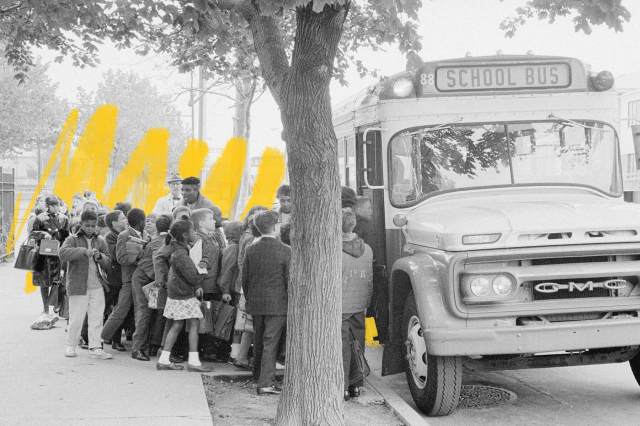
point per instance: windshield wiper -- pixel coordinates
(552, 116)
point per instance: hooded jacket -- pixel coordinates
(357, 274)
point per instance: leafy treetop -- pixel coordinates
(585, 13)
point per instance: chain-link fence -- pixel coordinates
(7, 204)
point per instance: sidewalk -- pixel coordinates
(40, 386)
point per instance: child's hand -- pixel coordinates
(226, 298)
(199, 292)
(202, 265)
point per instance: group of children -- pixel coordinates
(107, 259)
(110, 257)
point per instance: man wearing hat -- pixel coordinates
(191, 196)
(166, 204)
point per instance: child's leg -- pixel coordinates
(174, 331)
(174, 328)
(194, 359)
(272, 329)
(245, 345)
(193, 334)
(44, 293)
(78, 306)
(95, 316)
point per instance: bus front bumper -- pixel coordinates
(529, 339)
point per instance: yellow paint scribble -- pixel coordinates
(223, 183)
(67, 133)
(146, 168)
(89, 166)
(28, 283)
(193, 158)
(142, 180)
(270, 175)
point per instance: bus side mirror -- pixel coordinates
(635, 130)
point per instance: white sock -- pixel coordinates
(235, 349)
(164, 357)
(194, 359)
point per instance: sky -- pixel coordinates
(449, 29)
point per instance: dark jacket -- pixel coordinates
(73, 253)
(56, 225)
(115, 272)
(161, 265)
(211, 256)
(183, 279)
(265, 277)
(145, 264)
(229, 270)
(245, 241)
(357, 275)
(128, 251)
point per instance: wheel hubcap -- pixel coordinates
(416, 352)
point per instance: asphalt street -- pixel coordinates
(590, 395)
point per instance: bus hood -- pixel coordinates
(523, 217)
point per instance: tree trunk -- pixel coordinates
(313, 388)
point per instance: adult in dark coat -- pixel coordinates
(48, 278)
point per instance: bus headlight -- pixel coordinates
(403, 87)
(486, 288)
(502, 285)
(602, 81)
(480, 286)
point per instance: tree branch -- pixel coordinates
(269, 46)
(10, 8)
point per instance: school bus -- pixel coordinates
(500, 234)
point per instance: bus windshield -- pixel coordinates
(423, 161)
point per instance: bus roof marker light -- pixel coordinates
(602, 81)
(403, 87)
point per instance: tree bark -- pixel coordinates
(313, 387)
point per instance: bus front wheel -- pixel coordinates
(434, 381)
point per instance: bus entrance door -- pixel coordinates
(370, 212)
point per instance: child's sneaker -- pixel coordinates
(70, 352)
(99, 353)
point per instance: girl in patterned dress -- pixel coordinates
(184, 286)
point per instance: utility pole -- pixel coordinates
(192, 105)
(201, 106)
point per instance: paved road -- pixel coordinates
(39, 386)
(590, 395)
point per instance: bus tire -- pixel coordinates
(434, 381)
(634, 363)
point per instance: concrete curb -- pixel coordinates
(407, 414)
